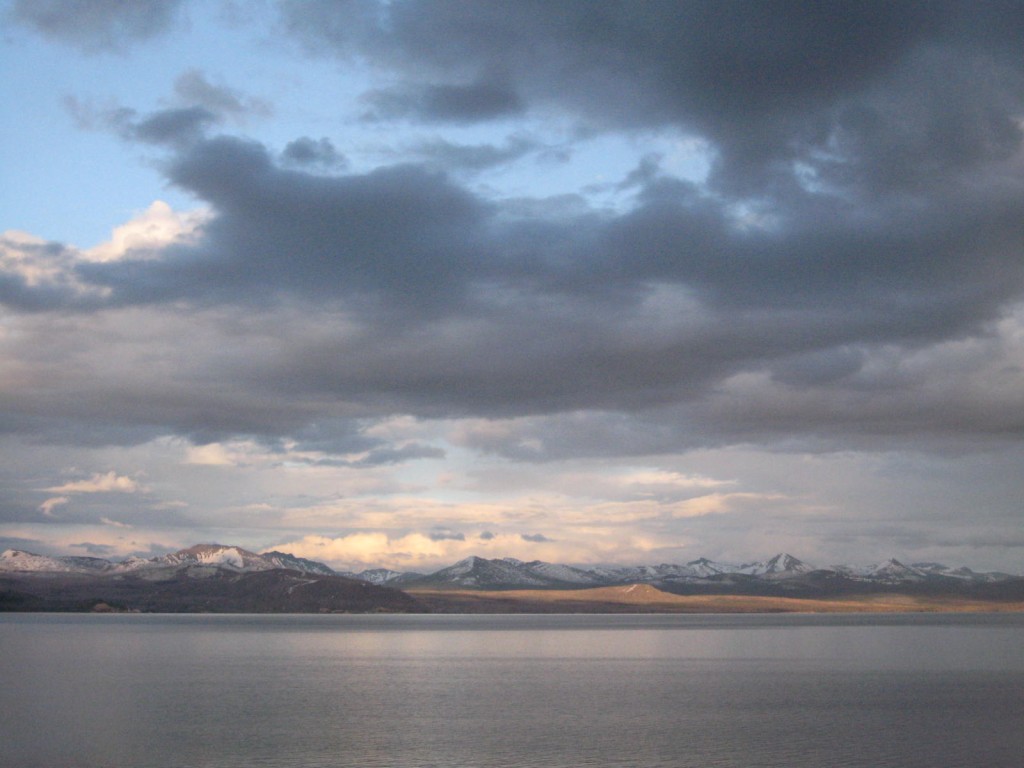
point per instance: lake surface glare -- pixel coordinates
(390, 691)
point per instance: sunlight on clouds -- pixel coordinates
(551, 527)
(664, 484)
(36, 262)
(149, 232)
(109, 482)
(44, 268)
(243, 453)
(413, 551)
(721, 503)
(402, 427)
(16, 250)
(210, 455)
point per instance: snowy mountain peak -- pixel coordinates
(293, 563)
(786, 563)
(16, 560)
(208, 556)
(781, 571)
(385, 576)
(218, 555)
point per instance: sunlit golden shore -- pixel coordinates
(643, 598)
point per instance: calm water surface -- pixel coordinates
(495, 691)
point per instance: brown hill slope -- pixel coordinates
(644, 598)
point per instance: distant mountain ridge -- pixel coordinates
(206, 578)
(781, 570)
(779, 574)
(201, 555)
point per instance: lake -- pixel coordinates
(398, 691)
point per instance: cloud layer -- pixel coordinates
(846, 276)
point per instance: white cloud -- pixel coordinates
(109, 482)
(721, 503)
(210, 455)
(32, 261)
(47, 506)
(418, 551)
(147, 233)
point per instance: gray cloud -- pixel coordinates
(192, 88)
(474, 102)
(202, 105)
(446, 535)
(534, 537)
(769, 86)
(305, 152)
(392, 455)
(456, 306)
(862, 212)
(95, 550)
(97, 25)
(176, 127)
(401, 232)
(182, 126)
(448, 155)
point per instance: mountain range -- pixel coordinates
(780, 574)
(204, 578)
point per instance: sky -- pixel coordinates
(396, 283)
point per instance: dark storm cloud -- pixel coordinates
(457, 306)
(400, 232)
(769, 84)
(865, 203)
(97, 25)
(877, 271)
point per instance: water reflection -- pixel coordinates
(403, 691)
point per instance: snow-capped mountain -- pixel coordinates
(218, 555)
(208, 557)
(779, 567)
(478, 572)
(293, 563)
(16, 560)
(560, 574)
(963, 573)
(382, 576)
(890, 571)
(780, 572)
